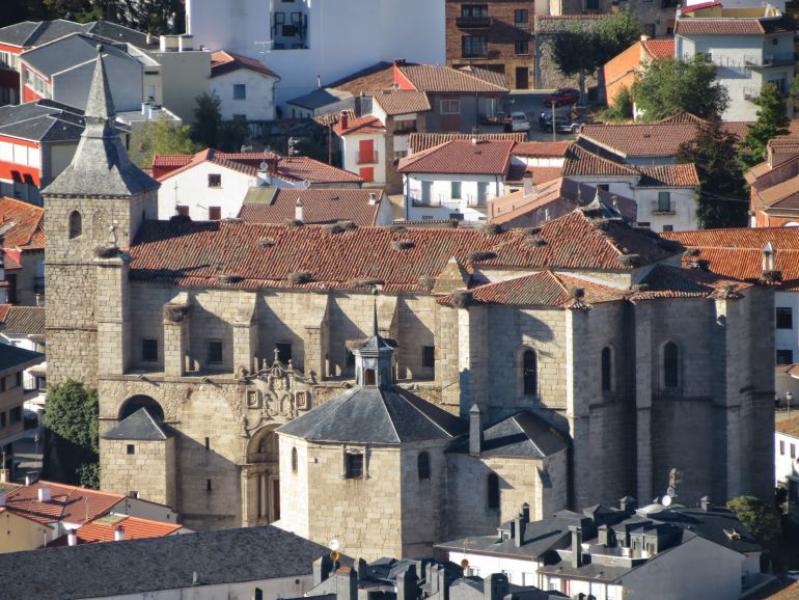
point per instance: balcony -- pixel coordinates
(457, 204)
(464, 22)
(367, 158)
(768, 61)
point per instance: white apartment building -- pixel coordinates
(749, 46)
(786, 453)
(315, 42)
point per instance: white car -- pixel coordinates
(519, 122)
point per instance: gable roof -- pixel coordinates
(24, 223)
(657, 48)
(35, 33)
(136, 567)
(733, 26)
(103, 529)
(581, 161)
(679, 175)
(223, 62)
(319, 205)
(522, 435)
(400, 102)
(69, 52)
(361, 125)
(478, 157)
(418, 142)
(542, 149)
(67, 503)
(42, 121)
(139, 426)
(441, 79)
(264, 256)
(375, 416)
(21, 320)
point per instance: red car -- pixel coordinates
(562, 97)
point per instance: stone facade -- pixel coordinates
(144, 467)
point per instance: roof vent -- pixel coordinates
(372, 198)
(119, 534)
(72, 538)
(44, 494)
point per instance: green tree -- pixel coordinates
(714, 152)
(207, 121)
(615, 33)
(622, 108)
(772, 121)
(71, 420)
(159, 137)
(233, 134)
(668, 86)
(759, 518)
(150, 16)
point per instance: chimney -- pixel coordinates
(769, 258)
(72, 538)
(518, 530)
(628, 504)
(644, 37)
(495, 586)
(474, 140)
(407, 584)
(264, 175)
(319, 81)
(119, 534)
(704, 503)
(577, 546)
(43, 494)
(372, 198)
(344, 120)
(528, 185)
(298, 216)
(526, 512)
(603, 535)
(475, 431)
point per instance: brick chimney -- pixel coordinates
(344, 120)
(475, 431)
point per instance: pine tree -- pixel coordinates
(772, 121)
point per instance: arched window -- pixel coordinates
(135, 403)
(75, 224)
(493, 491)
(258, 595)
(671, 365)
(529, 373)
(423, 465)
(294, 460)
(607, 369)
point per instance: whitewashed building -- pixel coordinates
(312, 42)
(245, 87)
(363, 147)
(786, 455)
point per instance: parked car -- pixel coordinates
(564, 123)
(518, 122)
(562, 97)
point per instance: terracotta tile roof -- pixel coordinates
(541, 289)
(213, 254)
(480, 157)
(542, 149)
(67, 503)
(702, 5)
(22, 320)
(223, 62)
(320, 205)
(672, 282)
(680, 175)
(732, 26)
(365, 124)
(135, 528)
(788, 426)
(775, 187)
(737, 253)
(293, 168)
(419, 142)
(544, 174)
(402, 102)
(368, 81)
(659, 48)
(27, 232)
(580, 161)
(441, 79)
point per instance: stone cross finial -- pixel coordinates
(277, 355)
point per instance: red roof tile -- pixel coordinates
(419, 142)
(362, 125)
(441, 79)
(789, 426)
(732, 26)
(659, 48)
(263, 256)
(134, 528)
(541, 149)
(580, 161)
(402, 102)
(67, 503)
(223, 62)
(478, 157)
(26, 224)
(680, 175)
(320, 205)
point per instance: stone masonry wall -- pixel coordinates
(149, 471)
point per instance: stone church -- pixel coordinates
(560, 366)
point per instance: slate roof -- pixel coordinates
(319, 205)
(68, 52)
(21, 320)
(35, 33)
(16, 34)
(711, 525)
(139, 426)
(15, 358)
(223, 62)
(140, 566)
(320, 97)
(418, 142)
(372, 415)
(522, 435)
(25, 224)
(400, 102)
(41, 121)
(67, 503)
(476, 157)
(197, 253)
(100, 166)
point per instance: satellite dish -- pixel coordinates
(666, 501)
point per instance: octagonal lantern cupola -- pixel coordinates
(374, 359)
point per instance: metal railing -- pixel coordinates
(464, 22)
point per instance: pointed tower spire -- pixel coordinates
(99, 103)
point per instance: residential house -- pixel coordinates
(114, 527)
(245, 87)
(621, 71)
(16, 39)
(22, 242)
(749, 47)
(37, 140)
(455, 179)
(532, 206)
(543, 161)
(263, 563)
(54, 512)
(363, 148)
(13, 362)
(615, 553)
(314, 206)
(310, 45)
(786, 459)
(212, 185)
(492, 35)
(23, 327)
(774, 185)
